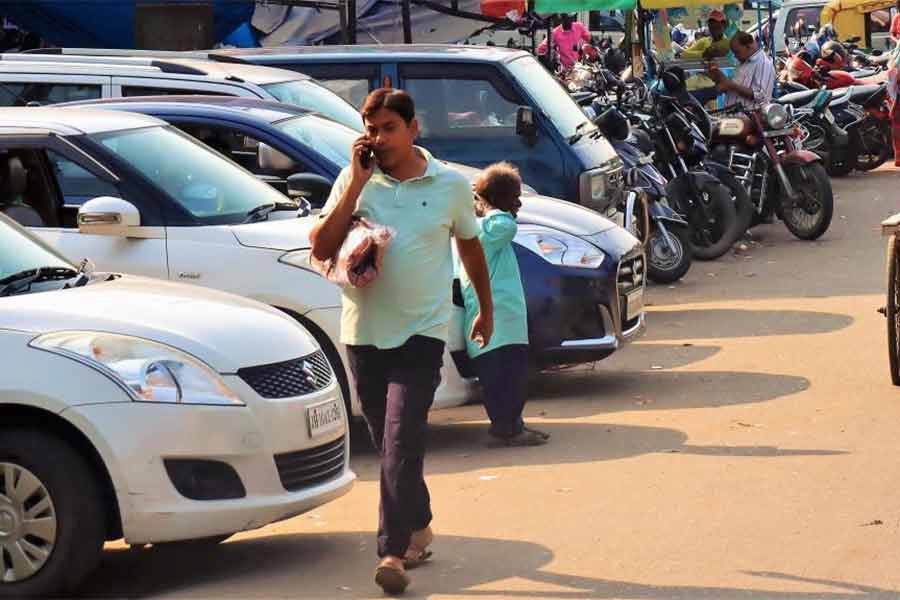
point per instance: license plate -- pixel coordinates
(323, 417)
(634, 304)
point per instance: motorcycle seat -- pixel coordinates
(859, 94)
(863, 73)
(798, 99)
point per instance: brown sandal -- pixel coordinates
(416, 558)
(392, 580)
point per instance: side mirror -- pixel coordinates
(526, 125)
(310, 187)
(107, 215)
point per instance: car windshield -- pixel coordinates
(19, 251)
(549, 96)
(312, 96)
(209, 186)
(332, 141)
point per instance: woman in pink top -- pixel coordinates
(567, 38)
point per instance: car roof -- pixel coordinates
(71, 122)
(402, 52)
(187, 68)
(245, 108)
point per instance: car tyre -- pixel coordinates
(52, 512)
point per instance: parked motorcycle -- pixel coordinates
(782, 180)
(646, 212)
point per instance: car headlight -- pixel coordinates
(776, 116)
(559, 248)
(298, 258)
(153, 372)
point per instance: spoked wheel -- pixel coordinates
(891, 310)
(810, 216)
(873, 147)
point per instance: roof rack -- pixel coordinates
(165, 66)
(198, 54)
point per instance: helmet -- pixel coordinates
(589, 52)
(613, 124)
(833, 54)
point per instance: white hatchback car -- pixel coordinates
(148, 410)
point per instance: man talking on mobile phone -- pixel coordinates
(396, 327)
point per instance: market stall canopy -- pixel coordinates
(555, 6)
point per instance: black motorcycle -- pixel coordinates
(679, 149)
(646, 213)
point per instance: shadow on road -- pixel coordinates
(340, 566)
(732, 323)
(567, 395)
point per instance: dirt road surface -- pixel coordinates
(747, 447)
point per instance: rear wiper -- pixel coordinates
(261, 212)
(21, 281)
(577, 136)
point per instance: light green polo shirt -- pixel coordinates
(498, 229)
(412, 293)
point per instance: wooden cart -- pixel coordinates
(890, 227)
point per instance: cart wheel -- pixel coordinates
(893, 303)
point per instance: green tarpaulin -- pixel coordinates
(554, 6)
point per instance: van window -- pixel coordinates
(461, 109)
(18, 93)
(809, 15)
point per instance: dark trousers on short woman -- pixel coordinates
(503, 373)
(396, 388)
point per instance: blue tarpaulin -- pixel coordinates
(108, 23)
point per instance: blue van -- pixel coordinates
(476, 105)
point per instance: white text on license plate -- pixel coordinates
(634, 304)
(323, 417)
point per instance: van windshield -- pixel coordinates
(549, 96)
(317, 98)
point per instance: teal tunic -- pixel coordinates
(498, 229)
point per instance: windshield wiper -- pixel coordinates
(21, 281)
(577, 136)
(261, 212)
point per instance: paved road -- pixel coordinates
(746, 448)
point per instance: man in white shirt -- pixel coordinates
(754, 78)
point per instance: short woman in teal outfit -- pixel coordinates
(502, 365)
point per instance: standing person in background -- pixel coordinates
(502, 365)
(396, 327)
(567, 38)
(895, 26)
(716, 45)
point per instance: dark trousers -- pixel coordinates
(503, 373)
(396, 388)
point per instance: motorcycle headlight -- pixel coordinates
(776, 116)
(153, 372)
(593, 188)
(559, 248)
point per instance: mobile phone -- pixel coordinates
(366, 159)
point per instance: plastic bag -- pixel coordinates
(360, 257)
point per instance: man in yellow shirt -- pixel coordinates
(716, 45)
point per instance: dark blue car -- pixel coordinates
(583, 275)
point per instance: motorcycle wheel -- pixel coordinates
(872, 147)
(666, 265)
(742, 204)
(839, 168)
(811, 217)
(712, 239)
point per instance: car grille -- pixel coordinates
(290, 378)
(306, 468)
(629, 278)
